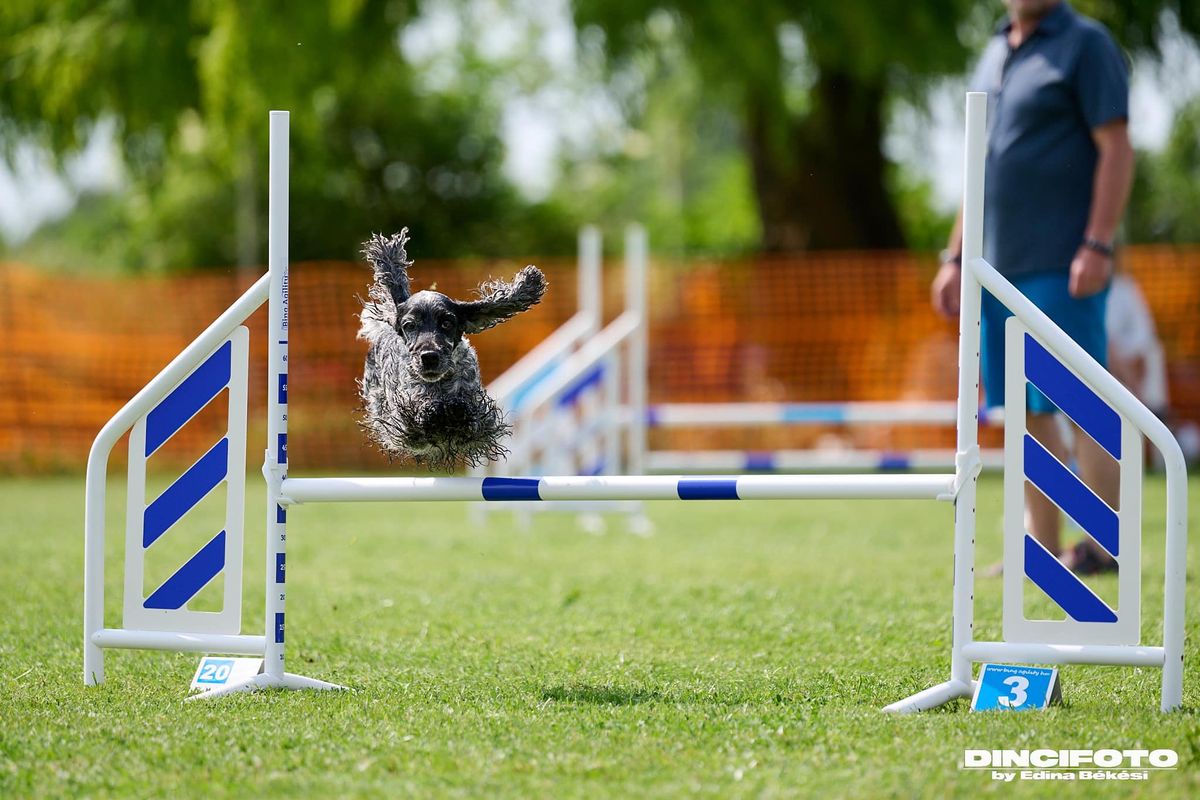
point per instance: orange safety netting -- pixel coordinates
(809, 327)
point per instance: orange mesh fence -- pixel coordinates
(810, 327)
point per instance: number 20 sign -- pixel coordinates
(1002, 687)
(215, 671)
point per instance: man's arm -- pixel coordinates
(945, 290)
(1091, 269)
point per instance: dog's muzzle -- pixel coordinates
(432, 366)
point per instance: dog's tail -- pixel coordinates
(388, 259)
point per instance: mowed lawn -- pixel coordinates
(744, 649)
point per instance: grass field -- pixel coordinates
(743, 650)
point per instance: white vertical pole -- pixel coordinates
(968, 389)
(275, 465)
(591, 286)
(611, 409)
(1175, 580)
(635, 301)
(591, 303)
(93, 567)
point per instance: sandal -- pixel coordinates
(1086, 559)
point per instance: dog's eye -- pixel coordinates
(407, 325)
(447, 324)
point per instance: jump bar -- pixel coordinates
(620, 487)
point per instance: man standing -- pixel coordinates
(1059, 167)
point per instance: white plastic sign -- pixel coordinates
(217, 671)
(1004, 687)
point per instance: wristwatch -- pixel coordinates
(947, 257)
(1100, 247)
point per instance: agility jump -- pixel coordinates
(584, 389)
(157, 617)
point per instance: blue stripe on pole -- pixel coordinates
(814, 412)
(652, 416)
(1061, 585)
(279, 629)
(894, 461)
(541, 374)
(1073, 396)
(585, 382)
(283, 387)
(195, 392)
(708, 489)
(188, 489)
(280, 567)
(1071, 495)
(193, 576)
(510, 489)
(280, 514)
(760, 461)
(281, 452)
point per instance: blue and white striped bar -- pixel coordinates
(673, 461)
(679, 415)
(619, 487)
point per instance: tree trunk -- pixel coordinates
(820, 181)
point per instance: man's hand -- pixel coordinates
(1090, 272)
(945, 290)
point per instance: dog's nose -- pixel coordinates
(430, 360)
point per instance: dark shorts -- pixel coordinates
(1081, 319)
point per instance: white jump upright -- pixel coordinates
(569, 399)
(1038, 352)
(1041, 354)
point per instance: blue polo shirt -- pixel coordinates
(1044, 99)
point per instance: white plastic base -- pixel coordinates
(932, 697)
(265, 681)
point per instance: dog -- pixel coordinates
(422, 397)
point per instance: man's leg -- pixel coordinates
(1042, 518)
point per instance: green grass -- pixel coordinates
(743, 650)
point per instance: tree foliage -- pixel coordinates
(1165, 202)
(189, 84)
(812, 84)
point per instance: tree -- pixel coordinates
(1165, 203)
(811, 84)
(189, 85)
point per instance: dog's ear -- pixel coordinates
(390, 263)
(500, 300)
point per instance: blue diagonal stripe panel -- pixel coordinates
(588, 380)
(1061, 585)
(1073, 396)
(191, 577)
(1071, 495)
(186, 400)
(187, 490)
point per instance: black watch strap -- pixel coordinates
(1103, 248)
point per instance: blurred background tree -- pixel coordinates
(733, 128)
(809, 85)
(188, 85)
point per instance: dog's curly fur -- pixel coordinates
(446, 420)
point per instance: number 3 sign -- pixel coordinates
(1011, 688)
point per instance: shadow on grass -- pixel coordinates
(599, 695)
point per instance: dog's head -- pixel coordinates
(432, 325)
